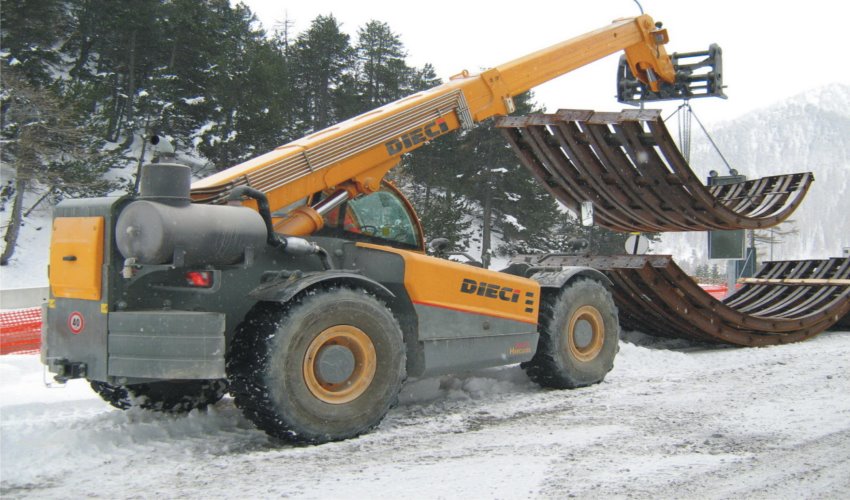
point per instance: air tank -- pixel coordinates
(163, 222)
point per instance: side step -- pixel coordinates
(787, 301)
(628, 166)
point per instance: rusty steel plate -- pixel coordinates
(788, 301)
(842, 324)
(629, 167)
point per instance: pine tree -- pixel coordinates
(382, 73)
(428, 177)
(702, 272)
(43, 146)
(31, 31)
(249, 95)
(714, 274)
(599, 240)
(323, 62)
(510, 202)
(422, 79)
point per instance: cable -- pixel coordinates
(639, 7)
(671, 115)
(685, 145)
(685, 113)
(731, 170)
(748, 257)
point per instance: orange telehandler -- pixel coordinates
(299, 280)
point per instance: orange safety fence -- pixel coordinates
(719, 292)
(20, 331)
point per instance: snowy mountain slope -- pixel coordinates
(690, 423)
(808, 132)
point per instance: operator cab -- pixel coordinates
(384, 217)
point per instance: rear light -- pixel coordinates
(199, 279)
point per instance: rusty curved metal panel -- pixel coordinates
(629, 167)
(842, 324)
(787, 301)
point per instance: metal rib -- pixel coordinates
(655, 296)
(629, 167)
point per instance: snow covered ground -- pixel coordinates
(672, 420)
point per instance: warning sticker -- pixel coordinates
(76, 322)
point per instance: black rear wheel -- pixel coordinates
(579, 337)
(325, 367)
(169, 397)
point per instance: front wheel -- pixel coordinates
(579, 337)
(325, 367)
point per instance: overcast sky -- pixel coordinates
(772, 49)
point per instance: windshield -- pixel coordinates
(380, 217)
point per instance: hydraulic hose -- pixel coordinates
(290, 244)
(263, 208)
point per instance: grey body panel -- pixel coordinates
(60, 344)
(455, 341)
(452, 356)
(166, 344)
(437, 323)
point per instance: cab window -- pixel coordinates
(380, 217)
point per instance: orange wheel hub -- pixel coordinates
(585, 333)
(339, 364)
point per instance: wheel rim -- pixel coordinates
(585, 333)
(339, 364)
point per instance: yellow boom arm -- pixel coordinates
(354, 155)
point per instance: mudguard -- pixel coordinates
(283, 287)
(559, 278)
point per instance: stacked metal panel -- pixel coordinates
(628, 166)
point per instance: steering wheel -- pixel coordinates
(369, 230)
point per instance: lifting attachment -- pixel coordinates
(629, 167)
(698, 74)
